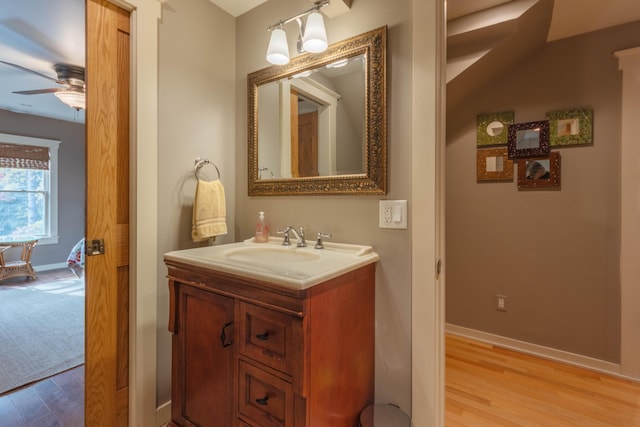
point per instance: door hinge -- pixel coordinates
(438, 267)
(95, 247)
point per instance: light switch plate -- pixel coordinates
(393, 214)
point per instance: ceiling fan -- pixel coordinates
(71, 77)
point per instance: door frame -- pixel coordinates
(427, 234)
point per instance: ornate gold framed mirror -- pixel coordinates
(318, 125)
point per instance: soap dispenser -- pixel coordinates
(262, 230)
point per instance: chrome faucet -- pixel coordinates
(299, 236)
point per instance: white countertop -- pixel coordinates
(290, 266)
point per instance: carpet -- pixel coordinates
(41, 331)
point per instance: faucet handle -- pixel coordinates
(285, 241)
(319, 244)
(301, 242)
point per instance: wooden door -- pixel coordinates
(304, 140)
(308, 144)
(107, 215)
(293, 123)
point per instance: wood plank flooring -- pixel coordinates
(57, 401)
(492, 386)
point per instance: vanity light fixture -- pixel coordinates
(305, 73)
(278, 51)
(339, 63)
(312, 37)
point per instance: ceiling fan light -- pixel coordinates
(73, 98)
(314, 39)
(278, 51)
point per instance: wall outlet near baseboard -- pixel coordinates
(501, 302)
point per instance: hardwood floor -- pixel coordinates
(492, 386)
(57, 401)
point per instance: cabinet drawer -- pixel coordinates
(270, 337)
(263, 399)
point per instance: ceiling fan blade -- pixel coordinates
(37, 91)
(31, 71)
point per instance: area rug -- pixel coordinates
(41, 331)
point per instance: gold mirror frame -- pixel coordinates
(373, 45)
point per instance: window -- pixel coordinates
(28, 188)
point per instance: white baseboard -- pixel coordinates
(538, 350)
(163, 414)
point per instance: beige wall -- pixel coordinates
(196, 111)
(555, 254)
(351, 219)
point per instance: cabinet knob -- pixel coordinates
(262, 401)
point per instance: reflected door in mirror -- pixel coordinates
(304, 137)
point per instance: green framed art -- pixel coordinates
(492, 128)
(570, 127)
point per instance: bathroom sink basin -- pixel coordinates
(289, 266)
(274, 255)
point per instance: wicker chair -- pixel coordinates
(21, 267)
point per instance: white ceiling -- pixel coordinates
(39, 33)
(237, 7)
(570, 17)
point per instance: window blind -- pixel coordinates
(23, 156)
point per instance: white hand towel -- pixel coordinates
(209, 211)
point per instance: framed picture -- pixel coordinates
(539, 172)
(570, 127)
(528, 139)
(493, 165)
(492, 128)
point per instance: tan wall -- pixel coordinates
(351, 219)
(555, 254)
(196, 112)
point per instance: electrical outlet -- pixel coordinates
(501, 302)
(393, 214)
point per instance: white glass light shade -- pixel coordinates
(314, 39)
(278, 51)
(73, 98)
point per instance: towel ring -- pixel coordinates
(202, 162)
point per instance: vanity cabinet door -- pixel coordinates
(203, 358)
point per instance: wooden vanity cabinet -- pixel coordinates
(252, 353)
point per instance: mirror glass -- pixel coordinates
(495, 128)
(318, 124)
(527, 138)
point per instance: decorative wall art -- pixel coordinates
(528, 139)
(492, 128)
(539, 172)
(571, 127)
(493, 165)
